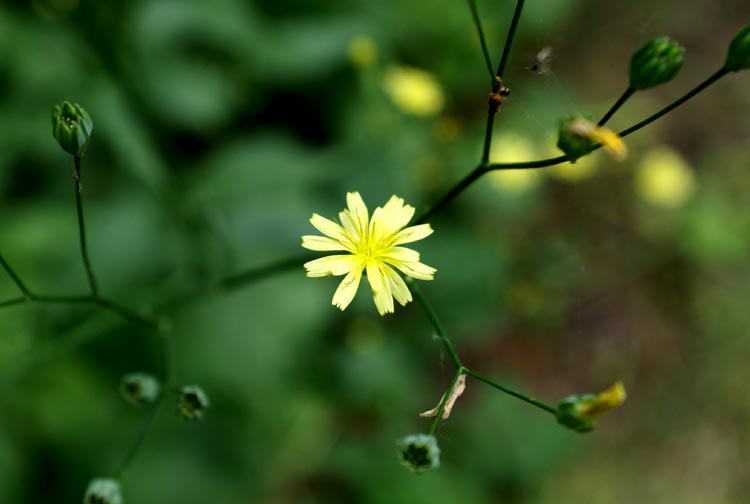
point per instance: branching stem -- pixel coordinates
(82, 229)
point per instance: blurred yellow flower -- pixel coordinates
(373, 248)
(511, 148)
(362, 51)
(664, 178)
(604, 401)
(413, 90)
(608, 139)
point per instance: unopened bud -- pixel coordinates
(71, 127)
(738, 55)
(581, 412)
(419, 452)
(193, 402)
(139, 388)
(103, 491)
(655, 63)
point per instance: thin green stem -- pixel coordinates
(252, 275)
(19, 283)
(697, 89)
(140, 437)
(437, 325)
(518, 395)
(509, 39)
(82, 228)
(452, 193)
(13, 301)
(124, 311)
(488, 128)
(63, 299)
(482, 40)
(459, 371)
(619, 103)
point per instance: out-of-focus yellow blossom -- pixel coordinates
(362, 51)
(581, 412)
(608, 139)
(664, 178)
(511, 148)
(372, 247)
(413, 90)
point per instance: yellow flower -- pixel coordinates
(372, 246)
(611, 141)
(512, 148)
(607, 400)
(664, 178)
(413, 90)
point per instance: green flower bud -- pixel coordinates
(570, 140)
(103, 491)
(193, 402)
(655, 63)
(71, 127)
(419, 452)
(580, 412)
(139, 388)
(738, 55)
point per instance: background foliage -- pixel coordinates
(221, 126)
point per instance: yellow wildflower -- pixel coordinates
(664, 178)
(372, 246)
(511, 148)
(608, 139)
(413, 90)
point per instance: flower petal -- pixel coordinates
(329, 228)
(332, 265)
(395, 255)
(398, 286)
(321, 243)
(381, 291)
(417, 270)
(412, 234)
(348, 288)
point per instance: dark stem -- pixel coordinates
(488, 136)
(82, 229)
(619, 103)
(482, 40)
(19, 283)
(12, 302)
(509, 39)
(530, 400)
(459, 371)
(437, 325)
(252, 275)
(455, 191)
(145, 427)
(700, 87)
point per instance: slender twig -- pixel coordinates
(13, 301)
(19, 283)
(509, 39)
(245, 277)
(437, 325)
(82, 228)
(482, 40)
(452, 193)
(697, 89)
(518, 395)
(140, 437)
(619, 103)
(459, 371)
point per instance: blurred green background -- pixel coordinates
(221, 126)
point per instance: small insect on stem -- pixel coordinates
(498, 94)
